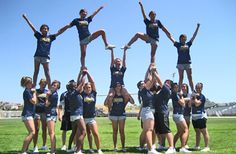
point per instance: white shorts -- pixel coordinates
(178, 118)
(117, 118)
(147, 113)
(25, 118)
(42, 60)
(89, 121)
(75, 117)
(53, 118)
(86, 40)
(151, 40)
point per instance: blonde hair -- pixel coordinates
(25, 80)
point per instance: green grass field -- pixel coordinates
(222, 136)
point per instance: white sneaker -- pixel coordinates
(109, 47)
(23, 153)
(140, 148)
(63, 148)
(80, 152)
(171, 150)
(91, 150)
(153, 151)
(44, 148)
(196, 148)
(184, 150)
(100, 151)
(126, 47)
(186, 146)
(206, 149)
(36, 150)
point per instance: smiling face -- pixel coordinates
(152, 15)
(44, 29)
(182, 38)
(83, 13)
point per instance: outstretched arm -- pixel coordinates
(195, 33)
(60, 31)
(97, 11)
(165, 30)
(112, 58)
(29, 23)
(91, 80)
(80, 81)
(142, 9)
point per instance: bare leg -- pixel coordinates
(29, 124)
(94, 129)
(81, 134)
(181, 77)
(83, 55)
(142, 36)
(122, 132)
(89, 136)
(205, 136)
(153, 52)
(189, 74)
(198, 137)
(100, 33)
(36, 72)
(115, 131)
(148, 129)
(37, 125)
(51, 131)
(47, 74)
(44, 129)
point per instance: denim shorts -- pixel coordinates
(147, 113)
(117, 118)
(152, 41)
(42, 60)
(25, 118)
(183, 66)
(89, 121)
(178, 118)
(39, 116)
(75, 117)
(86, 40)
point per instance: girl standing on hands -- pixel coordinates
(85, 37)
(152, 32)
(42, 54)
(184, 59)
(29, 97)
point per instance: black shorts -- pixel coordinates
(162, 123)
(200, 123)
(66, 123)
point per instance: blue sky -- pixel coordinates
(213, 51)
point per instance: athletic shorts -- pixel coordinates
(89, 121)
(42, 60)
(66, 123)
(178, 118)
(117, 118)
(147, 113)
(40, 116)
(86, 40)
(25, 118)
(75, 117)
(162, 123)
(151, 40)
(184, 66)
(53, 118)
(199, 123)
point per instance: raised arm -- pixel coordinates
(94, 13)
(157, 78)
(29, 23)
(81, 81)
(112, 58)
(142, 9)
(195, 33)
(91, 80)
(124, 59)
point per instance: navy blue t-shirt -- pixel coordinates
(117, 75)
(118, 106)
(152, 28)
(89, 101)
(161, 100)
(147, 97)
(29, 108)
(183, 52)
(64, 102)
(200, 109)
(75, 102)
(82, 26)
(43, 45)
(40, 106)
(51, 109)
(177, 108)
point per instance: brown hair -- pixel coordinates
(58, 82)
(25, 80)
